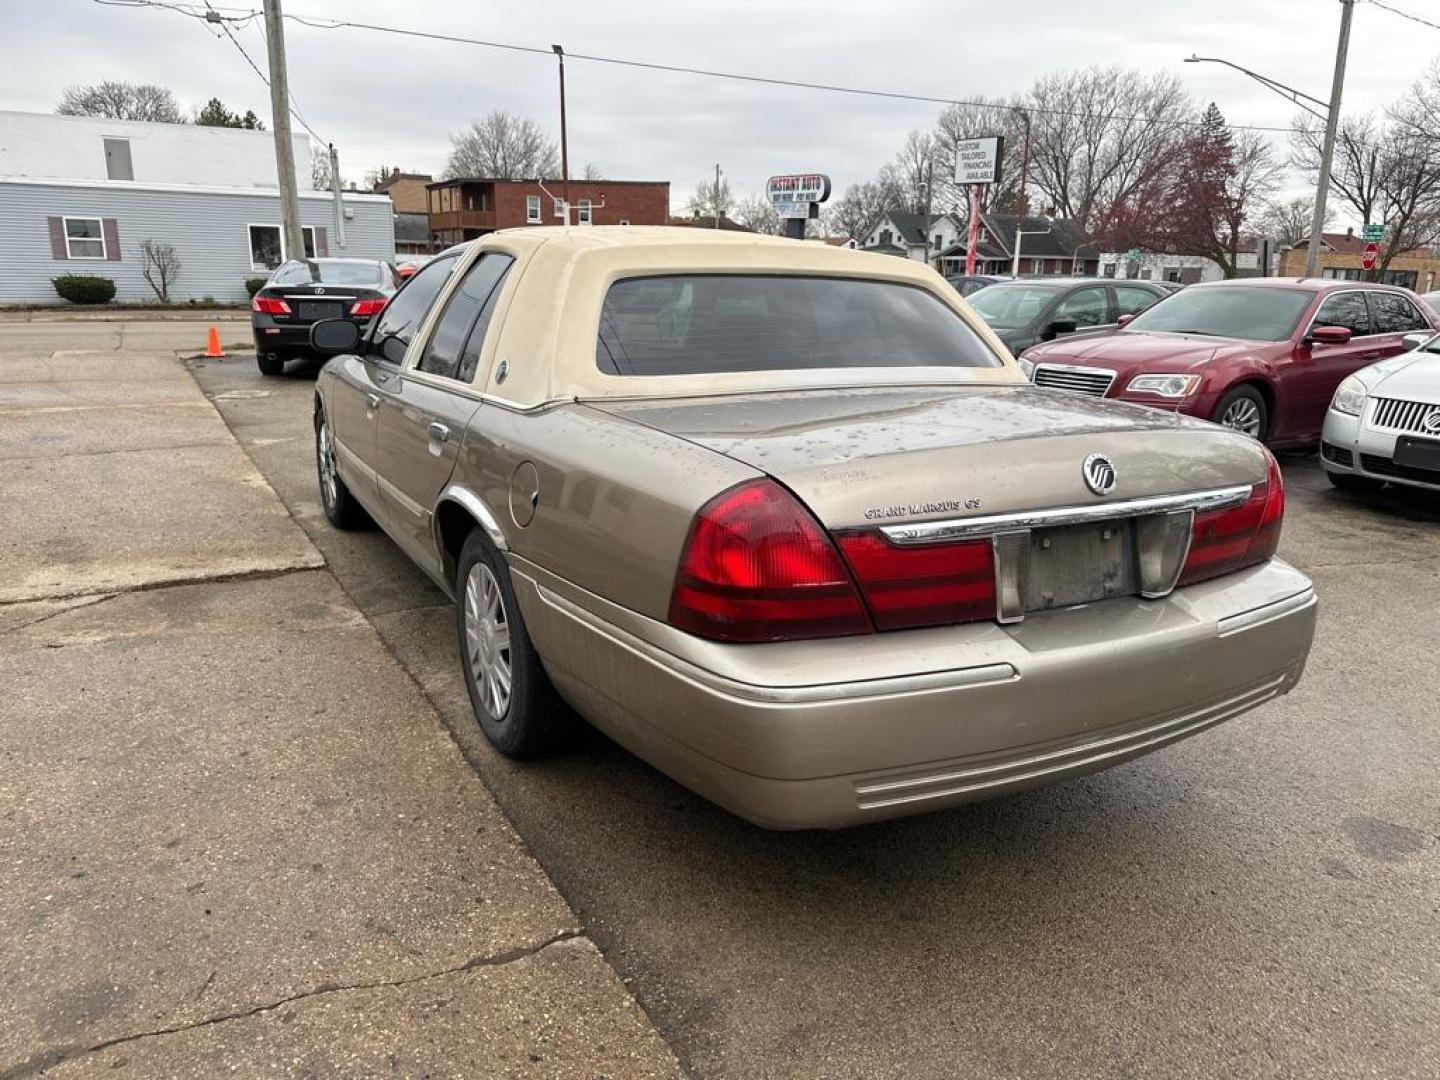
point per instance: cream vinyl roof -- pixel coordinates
(549, 313)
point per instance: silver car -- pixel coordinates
(1383, 423)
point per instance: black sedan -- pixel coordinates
(1028, 311)
(965, 284)
(304, 291)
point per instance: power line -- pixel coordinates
(1404, 14)
(835, 88)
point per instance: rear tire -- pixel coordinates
(270, 363)
(1356, 485)
(1243, 409)
(341, 508)
(512, 699)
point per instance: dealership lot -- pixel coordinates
(1260, 900)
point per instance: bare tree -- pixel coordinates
(502, 146)
(987, 116)
(910, 178)
(320, 170)
(1287, 221)
(161, 267)
(711, 199)
(592, 172)
(857, 211)
(122, 101)
(757, 214)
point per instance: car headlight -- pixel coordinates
(1350, 396)
(1168, 386)
(1027, 367)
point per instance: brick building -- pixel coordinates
(464, 208)
(406, 190)
(1341, 255)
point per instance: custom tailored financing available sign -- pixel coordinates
(977, 161)
(798, 194)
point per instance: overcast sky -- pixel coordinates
(393, 100)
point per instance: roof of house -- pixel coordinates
(886, 249)
(912, 228)
(1044, 237)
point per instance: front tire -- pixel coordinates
(341, 508)
(512, 699)
(1243, 409)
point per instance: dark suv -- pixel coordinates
(1031, 310)
(304, 291)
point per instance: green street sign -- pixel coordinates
(1373, 234)
(1133, 255)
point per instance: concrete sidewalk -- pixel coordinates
(235, 836)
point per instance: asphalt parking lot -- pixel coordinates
(1261, 900)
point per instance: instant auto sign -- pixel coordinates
(795, 194)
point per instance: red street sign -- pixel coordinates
(1372, 252)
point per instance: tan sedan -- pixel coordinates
(789, 523)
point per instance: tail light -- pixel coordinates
(270, 305)
(758, 567)
(934, 585)
(1224, 541)
(368, 307)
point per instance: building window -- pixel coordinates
(980, 235)
(267, 250)
(583, 207)
(532, 209)
(84, 238)
(1108, 270)
(560, 208)
(1037, 266)
(886, 236)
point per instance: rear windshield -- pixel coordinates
(1008, 307)
(716, 323)
(328, 272)
(1230, 311)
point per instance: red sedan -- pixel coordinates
(1262, 355)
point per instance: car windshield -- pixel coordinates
(328, 272)
(1254, 313)
(1006, 307)
(716, 323)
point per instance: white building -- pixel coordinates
(916, 236)
(44, 146)
(1182, 269)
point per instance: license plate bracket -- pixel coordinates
(1080, 564)
(1415, 453)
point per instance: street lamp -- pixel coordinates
(564, 138)
(1331, 117)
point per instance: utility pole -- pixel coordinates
(564, 138)
(293, 238)
(339, 202)
(715, 204)
(1327, 151)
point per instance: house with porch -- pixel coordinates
(913, 236)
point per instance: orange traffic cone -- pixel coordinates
(212, 343)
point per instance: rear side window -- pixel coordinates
(1087, 307)
(453, 350)
(717, 323)
(1131, 300)
(405, 312)
(1393, 314)
(1347, 310)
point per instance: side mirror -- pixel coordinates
(1059, 326)
(1124, 320)
(334, 337)
(1329, 335)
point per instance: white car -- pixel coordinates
(1383, 423)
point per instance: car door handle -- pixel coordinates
(372, 401)
(438, 432)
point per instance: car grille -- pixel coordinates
(1383, 466)
(1393, 414)
(1078, 380)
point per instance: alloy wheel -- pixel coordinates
(325, 458)
(1242, 414)
(487, 640)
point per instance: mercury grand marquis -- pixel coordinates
(790, 524)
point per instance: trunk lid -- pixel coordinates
(885, 455)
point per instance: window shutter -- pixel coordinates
(112, 239)
(57, 238)
(322, 241)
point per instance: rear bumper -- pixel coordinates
(919, 720)
(287, 336)
(1349, 448)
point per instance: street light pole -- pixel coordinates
(1327, 151)
(564, 138)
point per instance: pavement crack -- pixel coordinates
(169, 583)
(60, 1055)
(86, 602)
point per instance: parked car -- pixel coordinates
(303, 291)
(408, 265)
(1025, 312)
(1383, 423)
(965, 284)
(787, 522)
(1261, 355)
(1432, 301)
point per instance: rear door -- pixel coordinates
(1089, 308)
(1132, 299)
(356, 397)
(1310, 382)
(1392, 316)
(425, 409)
